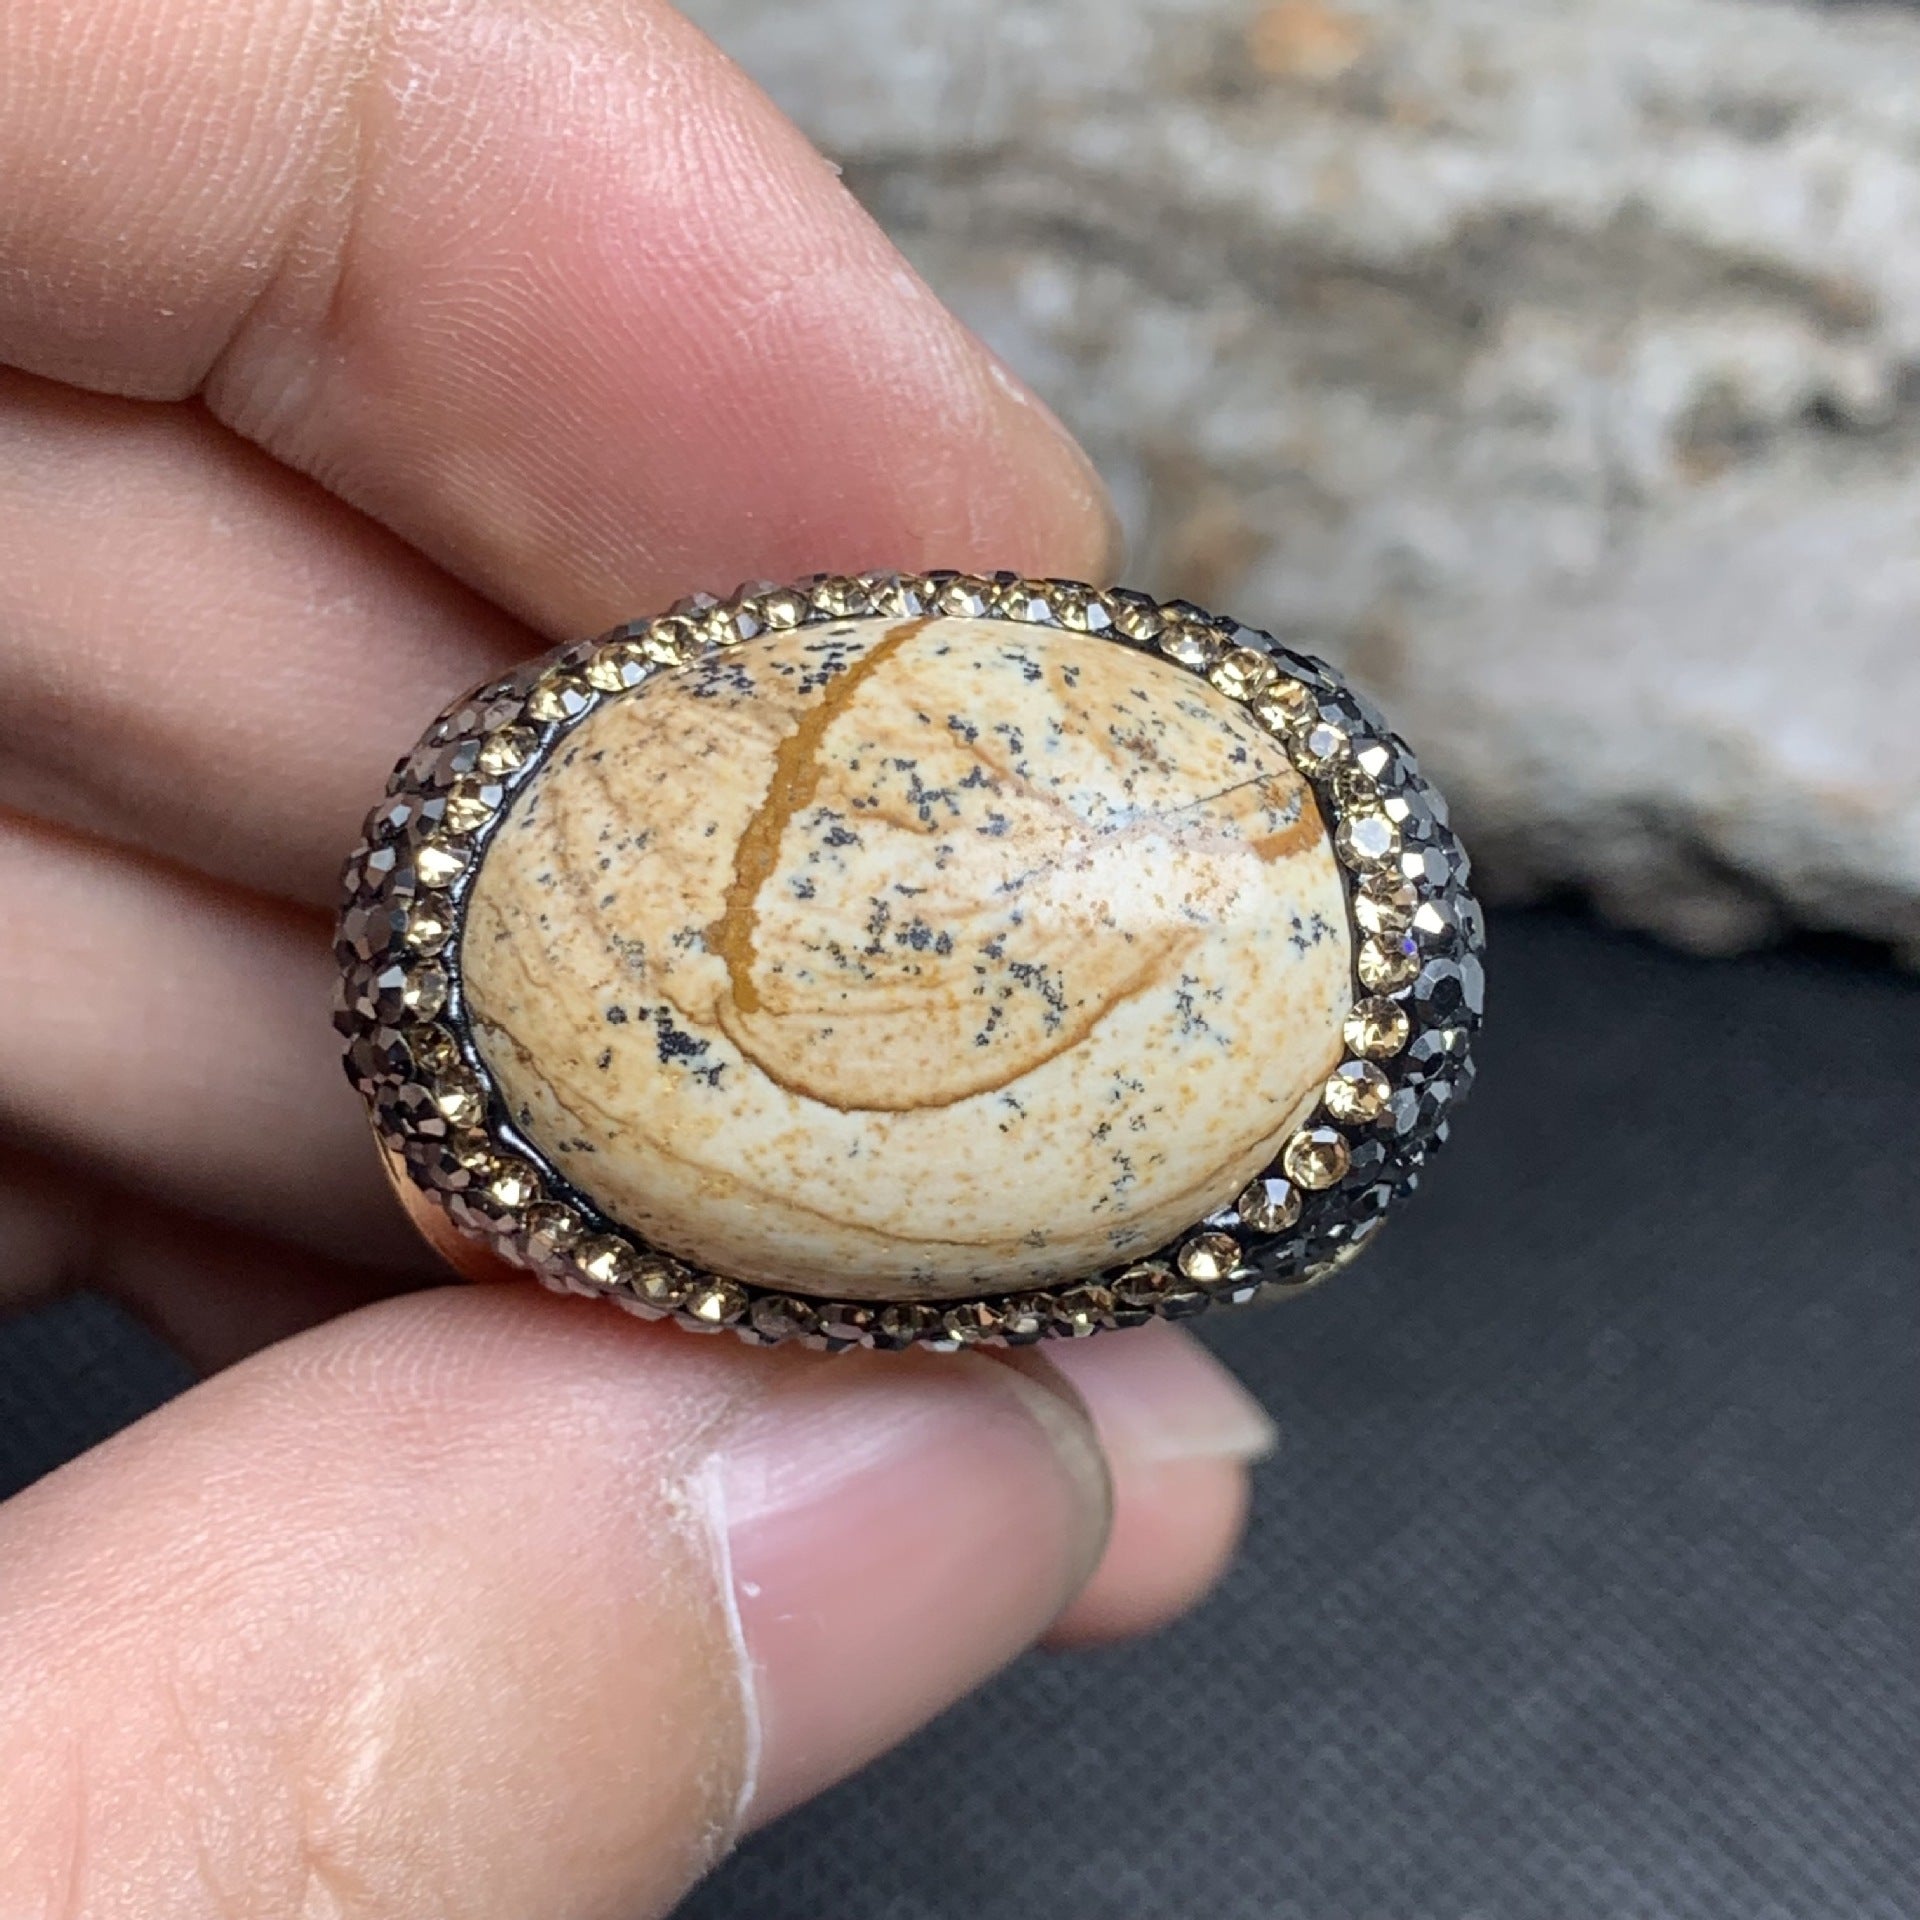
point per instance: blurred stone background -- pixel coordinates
(1553, 366)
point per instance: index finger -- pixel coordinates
(553, 291)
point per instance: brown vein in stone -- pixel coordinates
(796, 778)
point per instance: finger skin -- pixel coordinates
(206, 655)
(1180, 1432)
(480, 1604)
(172, 1036)
(554, 292)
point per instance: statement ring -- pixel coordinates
(911, 959)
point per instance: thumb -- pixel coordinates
(482, 1604)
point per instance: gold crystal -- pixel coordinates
(1357, 1091)
(715, 1303)
(1385, 966)
(783, 608)
(839, 597)
(428, 926)
(1080, 1311)
(1385, 903)
(1145, 1283)
(605, 1261)
(1377, 1029)
(618, 665)
(670, 642)
(1283, 706)
(1241, 673)
(967, 595)
(1316, 1158)
(1210, 1256)
(900, 596)
(440, 862)
(472, 803)
(901, 1321)
(1078, 608)
(1138, 619)
(512, 1184)
(1366, 840)
(434, 1051)
(971, 1322)
(508, 749)
(458, 1098)
(1318, 746)
(1191, 644)
(659, 1281)
(1269, 1204)
(559, 696)
(1025, 1318)
(551, 1232)
(781, 1316)
(1353, 789)
(425, 991)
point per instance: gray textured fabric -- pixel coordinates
(1583, 1586)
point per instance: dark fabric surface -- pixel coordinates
(1583, 1587)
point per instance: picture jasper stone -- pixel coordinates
(911, 958)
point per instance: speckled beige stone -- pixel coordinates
(911, 958)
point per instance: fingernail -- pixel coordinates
(1157, 1396)
(897, 1528)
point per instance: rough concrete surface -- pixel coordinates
(1553, 367)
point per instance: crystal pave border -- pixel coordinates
(1417, 941)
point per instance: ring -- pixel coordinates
(895, 960)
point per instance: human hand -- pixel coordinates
(354, 350)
